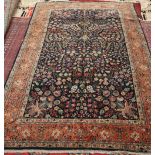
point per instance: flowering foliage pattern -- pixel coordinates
(83, 70)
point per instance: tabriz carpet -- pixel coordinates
(81, 80)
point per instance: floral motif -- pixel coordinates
(83, 70)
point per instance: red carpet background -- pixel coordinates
(13, 41)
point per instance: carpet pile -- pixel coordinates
(81, 80)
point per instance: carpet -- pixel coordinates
(13, 40)
(145, 4)
(109, 153)
(81, 80)
(146, 26)
(24, 12)
(136, 5)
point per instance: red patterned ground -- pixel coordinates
(13, 41)
(146, 26)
